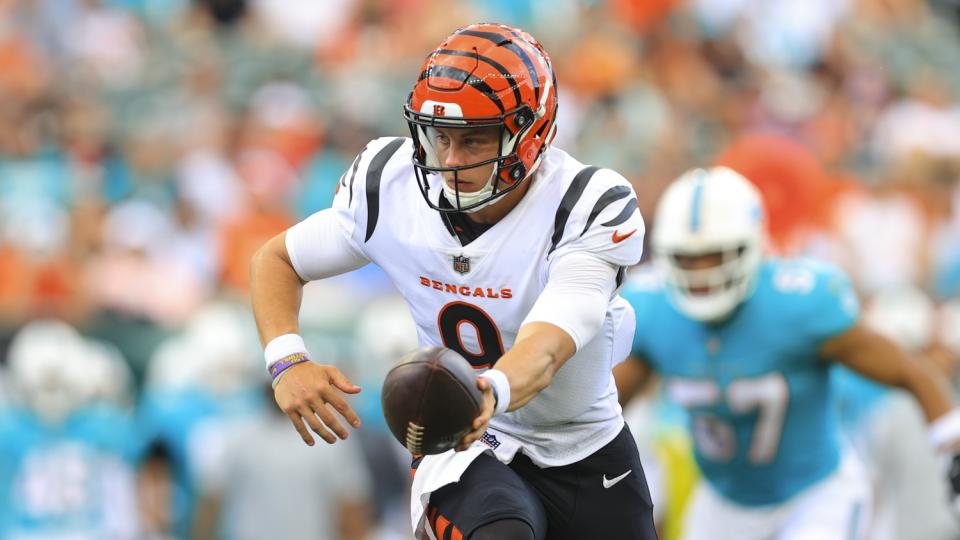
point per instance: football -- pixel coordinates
(430, 399)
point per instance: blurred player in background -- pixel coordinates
(746, 345)
(189, 407)
(508, 251)
(887, 427)
(68, 447)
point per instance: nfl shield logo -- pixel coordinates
(461, 264)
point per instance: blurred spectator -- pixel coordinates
(264, 466)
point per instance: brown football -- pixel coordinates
(430, 399)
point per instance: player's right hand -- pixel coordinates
(303, 394)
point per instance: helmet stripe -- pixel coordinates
(458, 74)
(536, 47)
(503, 41)
(695, 208)
(494, 64)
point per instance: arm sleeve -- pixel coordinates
(577, 295)
(320, 247)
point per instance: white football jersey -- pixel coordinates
(474, 298)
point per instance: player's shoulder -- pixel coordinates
(379, 161)
(383, 149)
(18, 427)
(597, 210)
(807, 286)
(645, 288)
(645, 281)
(109, 429)
(802, 276)
(590, 180)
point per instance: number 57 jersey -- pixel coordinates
(473, 298)
(757, 392)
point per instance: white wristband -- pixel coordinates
(501, 389)
(283, 346)
(945, 431)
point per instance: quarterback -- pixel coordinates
(745, 343)
(510, 252)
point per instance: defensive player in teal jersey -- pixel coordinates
(67, 458)
(745, 343)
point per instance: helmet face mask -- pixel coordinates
(483, 75)
(711, 293)
(708, 240)
(490, 158)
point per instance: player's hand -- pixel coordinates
(304, 393)
(481, 422)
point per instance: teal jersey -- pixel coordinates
(758, 394)
(65, 481)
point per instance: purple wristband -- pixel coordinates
(286, 363)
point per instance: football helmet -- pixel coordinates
(47, 370)
(222, 343)
(709, 212)
(108, 374)
(484, 75)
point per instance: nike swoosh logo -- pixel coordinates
(607, 484)
(617, 238)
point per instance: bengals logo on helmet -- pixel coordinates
(496, 75)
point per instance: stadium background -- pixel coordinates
(148, 147)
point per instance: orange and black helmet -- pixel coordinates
(485, 74)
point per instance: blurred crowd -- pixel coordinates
(149, 147)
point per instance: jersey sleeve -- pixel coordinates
(599, 214)
(831, 306)
(331, 241)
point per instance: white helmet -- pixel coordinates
(172, 366)
(221, 341)
(712, 211)
(47, 370)
(108, 373)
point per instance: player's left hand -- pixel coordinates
(481, 422)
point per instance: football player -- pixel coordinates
(68, 455)
(745, 343)
(508, 251)
(886, 427)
